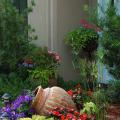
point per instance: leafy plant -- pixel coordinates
(41, 76)
(90, 108)
(84, 38)
(45, 65)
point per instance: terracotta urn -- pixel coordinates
(49, 98)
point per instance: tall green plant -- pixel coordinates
(15, 44)
(111, 41)
(14, 39)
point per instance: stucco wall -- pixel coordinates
(69, 14)
(53, 19)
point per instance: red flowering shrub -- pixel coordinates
(67, 114)
(79, 95)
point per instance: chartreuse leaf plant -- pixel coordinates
(90, 108)
(37, 117)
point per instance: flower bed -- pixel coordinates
(21, 108)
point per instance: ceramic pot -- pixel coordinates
(49, 98)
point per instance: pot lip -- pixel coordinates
(39, 91)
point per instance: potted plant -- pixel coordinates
(83, 39)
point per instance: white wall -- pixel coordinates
(53, 19)
(69, 14)
(39, 19)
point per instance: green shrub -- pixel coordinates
(15, 44)
(14, 85)
(111, 41)
(14, 40)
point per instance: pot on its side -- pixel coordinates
(49, 98)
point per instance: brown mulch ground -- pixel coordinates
(113, 112)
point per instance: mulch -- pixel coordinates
(113, 112)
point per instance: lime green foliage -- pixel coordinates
(80, 38)
(37, 117)
(111, 41)
(25, 119)
(90, 108)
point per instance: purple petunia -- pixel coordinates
(14, 110)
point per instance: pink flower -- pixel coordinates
(57, 57)
(50, 52)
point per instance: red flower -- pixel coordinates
(56, 113)
(86, 24)
(76, 113)
(83, 116)
(62, 117)
(70, 92)
(69, 115)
